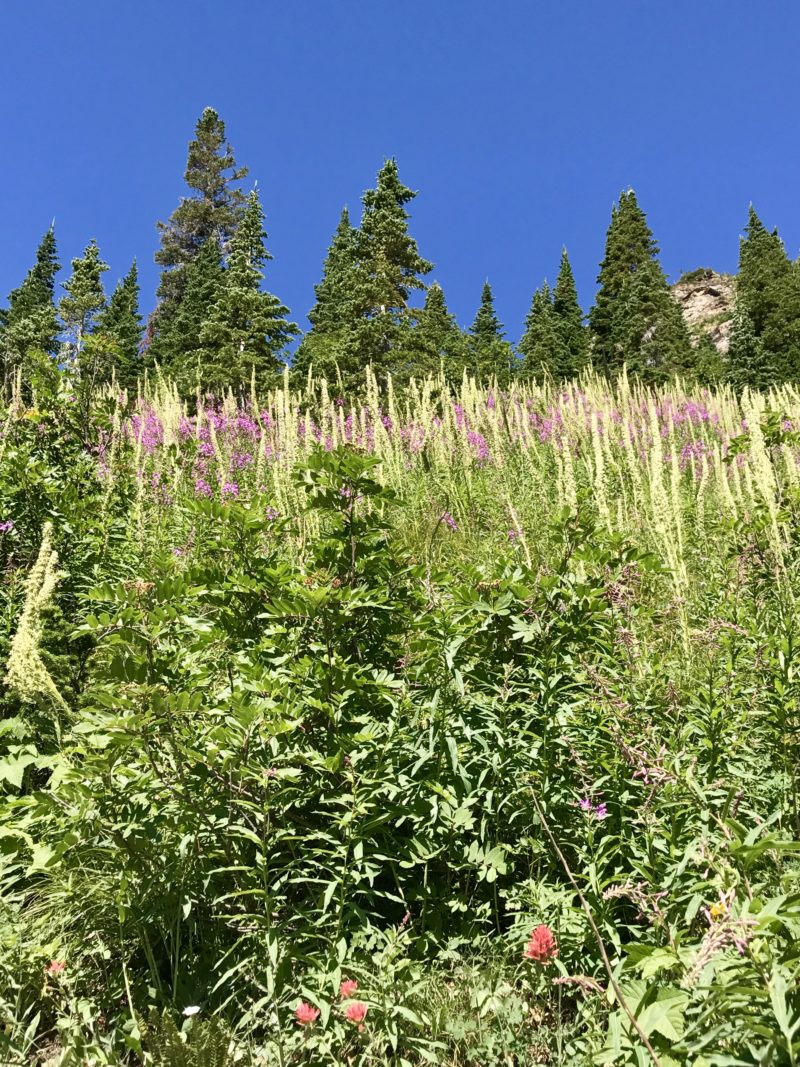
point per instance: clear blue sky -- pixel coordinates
(518, 121)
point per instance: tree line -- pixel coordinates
(216, 325)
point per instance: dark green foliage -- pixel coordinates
(435, 341)
(29, 322)
(85, 298)
(211, 211)
(544, 351)
(768, 286)
(336, 313)
(569, 319)
(120, 326)
(207, 1043)
(635, 320)
(362, 313)
(747, 363)
(245, 328)
(490, 356)
(180, 342)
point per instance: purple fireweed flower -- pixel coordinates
(202, 488)
(230, 489)
(7, 526)
(448, 520)
(271, 514)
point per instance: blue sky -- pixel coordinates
(518, 121)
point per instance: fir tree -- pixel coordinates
(543, 349)
(84, 298)
(246, 328)
(120, 325)
(435, 341)
(30, 323)
(635, 319)
(388, 269)
(747, 361)
(768, 286)
(569, 320)
(335, 314)
(212, 211)
(180, 340)
(490, 355)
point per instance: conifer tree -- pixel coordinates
(246, 328)
(213, 210)
(435, 341)
(747, 361)
(569, 320)
(335, 314)
(29, 323)
(490, 354)
(389, 268)
(635, 319)
(120, 325)
(183, 357)
(84, 298)
(544, 351)
(768, 286)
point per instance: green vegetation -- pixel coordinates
(428, 700)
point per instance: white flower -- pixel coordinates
(190, 1011)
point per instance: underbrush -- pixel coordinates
(362, 798)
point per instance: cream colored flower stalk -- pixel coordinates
(26, 674)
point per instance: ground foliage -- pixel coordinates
(324, 717)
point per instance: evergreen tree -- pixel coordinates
(85, 296)
(435, 341)
(747, 363)
(490, 354)
(388, 269)
(213, 210)
(29, 322)
(246, 328)
(569, 320)
(335, 315)
(120, 325)
(768, 286)
(544, 350)
(183, 356)
(635, 319)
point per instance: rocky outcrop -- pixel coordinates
(706, 299)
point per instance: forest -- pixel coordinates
(391, 692)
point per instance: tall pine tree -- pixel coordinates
(29, 323)
(246, 329)
(543, 349)
(85, 297)
(179, 343)
(490, 355)
(747, 363)
(120, 326)
(435, 342)
(768, 287)
(635, 319)
(569, 320)
(336, 313)
(211, 211)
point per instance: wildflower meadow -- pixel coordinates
(454, 726)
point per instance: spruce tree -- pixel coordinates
(544, 350)
(84, 298)
(183, 357)
(435, 342)
(29, 323)
(768, 286)
(212, 210)
(246, 328)
(490, 355)
(635, 319)
(747, 363)
(569, 320)
(388, 270)
(120, 326)
(336, 313)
